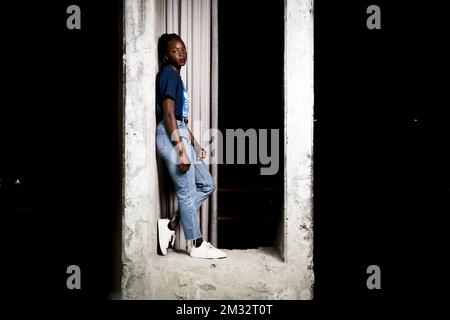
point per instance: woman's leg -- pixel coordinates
(185, 184)
(192, 187)
(204, 182)
(205, 186)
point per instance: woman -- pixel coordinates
(181, 153)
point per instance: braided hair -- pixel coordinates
(163, 45)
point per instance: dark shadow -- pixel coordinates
(251, 53)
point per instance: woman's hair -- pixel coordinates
(163, 44)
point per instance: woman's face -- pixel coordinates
(176, 53)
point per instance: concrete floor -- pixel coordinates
(244, 274)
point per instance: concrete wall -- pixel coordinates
(140, 203)
(298, 124)
(148, 276)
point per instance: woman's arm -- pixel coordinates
(174, 132)
(198, 149)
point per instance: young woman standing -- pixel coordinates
(180, 151)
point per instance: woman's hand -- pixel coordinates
(185, 163)
(201, 153)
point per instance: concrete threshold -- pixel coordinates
(244, 274)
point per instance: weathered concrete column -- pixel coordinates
(140, 187)
(298, 124)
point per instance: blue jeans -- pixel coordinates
(192, 187)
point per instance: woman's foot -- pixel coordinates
(165, 236)
(173, 223)
(206, 251)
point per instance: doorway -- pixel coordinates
(251, 51)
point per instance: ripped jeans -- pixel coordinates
(192, 187)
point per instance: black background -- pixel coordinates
(381, 177)
(381, 140)
(60, 134)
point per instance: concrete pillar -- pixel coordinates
(140, 184)
(298, 124)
